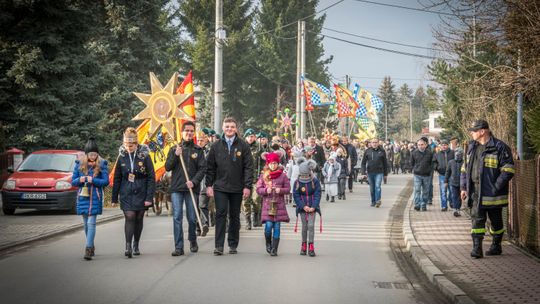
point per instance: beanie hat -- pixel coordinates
(272, 157)
(333, 156)
(91, 146)
(305, 170)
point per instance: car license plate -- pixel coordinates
(40, 196)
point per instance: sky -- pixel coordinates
(367, 66)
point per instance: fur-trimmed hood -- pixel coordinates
(142, 151)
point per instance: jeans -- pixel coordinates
(455, 194)
(430, 191)
(227, 204)
(421, 190)
(375, 180)
(276, 226)
(177, 201)
(444, 192)
(89, 229)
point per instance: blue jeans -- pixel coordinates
(268, 226)
(375, 180)
(444, 192)
(421, 190)
(89, 229)
(455, 196)
(177, 201)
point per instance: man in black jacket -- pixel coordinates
(353, 159)
(441, 160)
(375, 166)
(195, 166)
(229, 178)
(422, 168)
(317, 154)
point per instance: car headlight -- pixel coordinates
(9, 184)
(62, 185)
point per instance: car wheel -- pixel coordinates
(8, 211)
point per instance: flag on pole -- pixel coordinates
(188, 106)
(377, 103)
(363, 96)
(316, 94)
(346, 106)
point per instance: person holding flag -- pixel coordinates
(195, 163)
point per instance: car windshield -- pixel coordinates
(48, 162)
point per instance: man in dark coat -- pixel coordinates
(195, 165)
(441, 160)
(229, 178)
(353, 159)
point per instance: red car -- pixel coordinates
(43, 182)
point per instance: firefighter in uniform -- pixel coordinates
(248, 204)
(484, 185)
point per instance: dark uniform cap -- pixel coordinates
(249, 132)
(478, 125)
(262, 134)
(206, 131)
(444, 142)
(91, 146)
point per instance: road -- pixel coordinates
(354, 264)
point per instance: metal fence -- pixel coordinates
(523, 212)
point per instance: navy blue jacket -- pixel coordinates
(307, 194)
(495, 173)
(134, 194)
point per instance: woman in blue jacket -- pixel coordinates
(91, 176)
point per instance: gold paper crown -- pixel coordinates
(130, 138)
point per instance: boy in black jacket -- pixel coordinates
(422, 164)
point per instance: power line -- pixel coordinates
(379, 48)
(407, 8)
(380, 40)
(303, 18)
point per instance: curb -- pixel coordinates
(432, 272)
(54, 233)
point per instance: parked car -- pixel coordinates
(43, 182)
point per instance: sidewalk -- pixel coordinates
(23, 228)
(441, 244)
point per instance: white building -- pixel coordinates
(431, 125)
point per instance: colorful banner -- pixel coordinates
(316, 94)
(346, 105)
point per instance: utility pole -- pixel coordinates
(298, 82)
(385, 122)
(410, 118)
(218, 71)
(303, 73)
(519, 114)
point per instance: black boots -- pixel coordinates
(128, 252)
(193, 246)
(248, 221)
(88, 253)
(256, 220)
(275, 245)
(268, 243)
(477, 246)
(136, 248)
(495, 248)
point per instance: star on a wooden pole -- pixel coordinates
(163, 105)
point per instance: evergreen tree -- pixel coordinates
(402, 117)
(386, 116)
(276, 32)
(197, 17)
(49, 81)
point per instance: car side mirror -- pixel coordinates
(10, 170)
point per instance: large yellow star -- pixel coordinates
(163, 105)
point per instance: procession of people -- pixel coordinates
(219, 177)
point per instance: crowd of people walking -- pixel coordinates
(223, 176)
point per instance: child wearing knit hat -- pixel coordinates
(307, 196)
(272, 186)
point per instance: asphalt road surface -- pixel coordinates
(354, 264)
